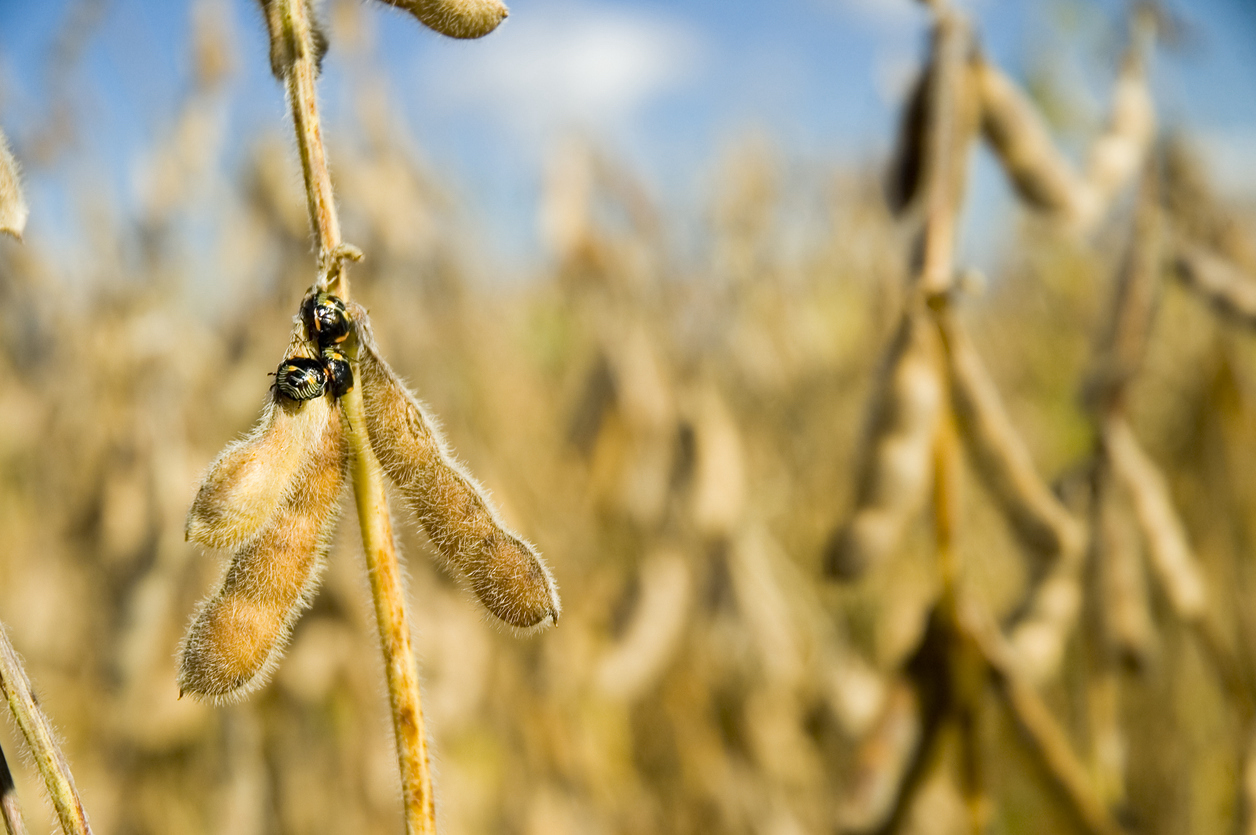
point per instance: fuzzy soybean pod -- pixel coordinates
(13, 208)
(250, 479)
(239, 633)
(504, 571)
(894, 477)
(463, 19)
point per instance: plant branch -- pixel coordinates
(368, 487)
(1041, 732)
(300, 75)
(388, 594)
(39, 735)
(947, 139)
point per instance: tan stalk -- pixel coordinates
(953, 122)
(1042, 523)
(368, 487)
(394, 628)
(1041, 732)
(953, 125)
(39, 735)
(1043, 623)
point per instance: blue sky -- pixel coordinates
(663, 85)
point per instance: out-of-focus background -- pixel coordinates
(636, 257)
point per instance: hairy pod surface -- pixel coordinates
(504, 570)
(13, 208)
(238, 634)
(895, 473)
(462, 19)
(282, 52)
(248, 483)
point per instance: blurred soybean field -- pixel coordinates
(681, 422)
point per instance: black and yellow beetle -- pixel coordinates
(326, 321)
(339, 373)
(327, 324)
(301, 378)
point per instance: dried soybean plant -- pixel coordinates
(1201, 245)
(935, 393)
(14, 682)
(336, 413)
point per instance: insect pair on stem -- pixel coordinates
(305, 378)
(273, 499)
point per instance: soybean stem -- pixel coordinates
(320, 199)
(39, 735)
(394, 630)
(368, 487)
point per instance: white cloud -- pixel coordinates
(557, 65)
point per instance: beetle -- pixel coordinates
(301, 378)
(326, 320)
(339, 373)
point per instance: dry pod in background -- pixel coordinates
(1041, 522)
(1168, 551)
(894, 477)
(1040, 632)
(1019, 137)
(463, 19)
(503, 570)
(655, 631)
(1217, 280)
(239, 633)
(1118, 154)
(1123, 606)
(902, 182)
